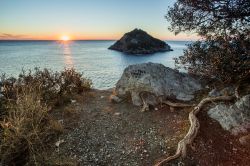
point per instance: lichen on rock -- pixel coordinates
(157, 80)
(234, 118)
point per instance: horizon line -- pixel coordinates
(83, 40)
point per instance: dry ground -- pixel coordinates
(102, 133)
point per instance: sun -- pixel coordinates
(65, 38)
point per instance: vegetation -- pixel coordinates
(27, 127)
(224, 52)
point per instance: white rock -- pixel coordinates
(73, 101)
(234, 118)
(59, 142)
(158, 80)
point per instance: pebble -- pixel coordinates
(90, 138)
(59, 142)
(117, 113)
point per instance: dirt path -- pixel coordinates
(118, 134)
(103, 133)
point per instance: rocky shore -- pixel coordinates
(103, 127)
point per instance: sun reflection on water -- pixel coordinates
(68, 60)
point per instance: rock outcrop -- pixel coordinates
(156, 80)
(234, 118)
(139, 42)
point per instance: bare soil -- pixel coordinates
(98, 132)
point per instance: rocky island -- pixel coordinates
(139, 42)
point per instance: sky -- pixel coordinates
(84, 19)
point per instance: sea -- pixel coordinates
(92, 58)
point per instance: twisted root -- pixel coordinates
(193, 130)
(145, 106)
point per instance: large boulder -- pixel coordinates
(158, 80)
(234, 118)
(139, 42)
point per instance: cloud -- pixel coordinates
(11, 36)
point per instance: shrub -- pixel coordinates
(26, 125)
(26, 128)
(55, 87)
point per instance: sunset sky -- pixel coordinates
(84, 19)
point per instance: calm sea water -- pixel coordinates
(104, 67)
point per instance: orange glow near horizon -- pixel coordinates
(70, 36)
(80, 20)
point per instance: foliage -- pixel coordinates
(210, 17)
(55, 87)
(224, 25)
(212, 59)
(26, 124)
(26, 128)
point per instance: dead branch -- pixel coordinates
(193, 130)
